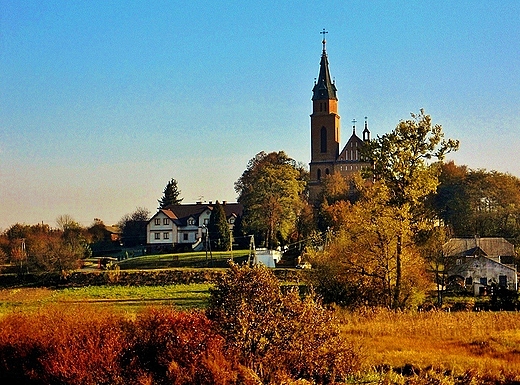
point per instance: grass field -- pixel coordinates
(442, 347)
(473, 347)
(127, 298)
(199, 259)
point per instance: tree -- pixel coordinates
(271, 190)
(218, 228)
(432, 246)
(358, 266)
(41, 248)
(133, 227)
(171, 195)
(401, 160)
(478, 202)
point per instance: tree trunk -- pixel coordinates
(397, 288)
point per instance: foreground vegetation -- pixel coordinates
(251, 332)
(243, 330)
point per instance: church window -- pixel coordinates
(327, 172)
(319, 174)
(323, 138)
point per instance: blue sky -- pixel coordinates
(102, 102)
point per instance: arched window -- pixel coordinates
(327, 172)
(319, 174)
(323, 138)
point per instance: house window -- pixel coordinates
(459, 261)
(191, 222)
(157, 235)
(231, 220)
(166, 221)
(157, 221)
(166, 235)
(185, 236)
(206, 221)
(502, 280)
(469, 280)
(483, 280)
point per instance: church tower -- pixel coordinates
(325, 128)
(326, 158)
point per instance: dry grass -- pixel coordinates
(486, 344)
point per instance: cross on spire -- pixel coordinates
(324, 41)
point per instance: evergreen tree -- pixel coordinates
(171, 195)
(219, 228)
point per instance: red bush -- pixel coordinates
(86, 346)
(173, 347)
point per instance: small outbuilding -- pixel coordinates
(481, 264)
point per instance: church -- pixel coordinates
(326, 157)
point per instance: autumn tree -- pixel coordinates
(406, 162)
(41, 248)
(271, 191)
(432, 244)
(218, 228)
(171, 195)
(358, 267)
(478, 202)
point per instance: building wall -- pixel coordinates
(163, 226)
(480, 272)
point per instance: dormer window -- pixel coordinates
(232, 220)
(191, 222)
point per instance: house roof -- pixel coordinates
(182, 212)
(489, 247)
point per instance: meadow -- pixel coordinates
(130, 299)
(397, 347)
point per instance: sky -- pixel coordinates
(103, 102)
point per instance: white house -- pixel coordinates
(481, 263)
(184, 224)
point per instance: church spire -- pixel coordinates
(324, 88)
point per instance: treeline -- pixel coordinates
(251, 333)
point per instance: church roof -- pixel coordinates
(324, 88)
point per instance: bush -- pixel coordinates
(278, 336)
(171, 347)
(57, 346)
(80, 346)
